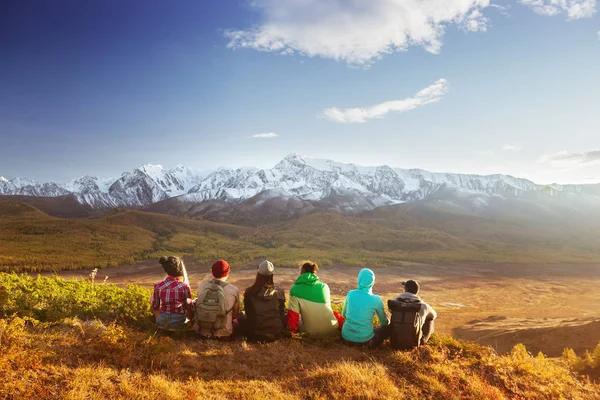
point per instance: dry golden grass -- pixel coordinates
(87, 360)
(47, 351)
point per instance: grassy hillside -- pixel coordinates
(61, 206)
(33, 241)
(74, 340)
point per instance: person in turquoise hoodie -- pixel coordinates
(359, 308)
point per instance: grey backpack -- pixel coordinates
(406, 324)
(211, 312)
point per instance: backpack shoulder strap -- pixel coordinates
(220, 282)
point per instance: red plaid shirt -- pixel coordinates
(171, 296)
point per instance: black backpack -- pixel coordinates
(263, 311)
(406, 324)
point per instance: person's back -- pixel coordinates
(264, 311)
(360, 306)
(171, 298)
(264, 304)
(217, 304)
(310, 302)
(412, 318)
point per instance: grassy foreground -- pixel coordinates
(74, 340)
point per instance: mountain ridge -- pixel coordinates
(302, 178)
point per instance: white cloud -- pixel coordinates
(357, 32)
(510, 147)
(269, 135)
(564, 158)
(574, 9)
(430, 94)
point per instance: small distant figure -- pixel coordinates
(412, 319)
(218, 304)
(171, 299)
(264, 305)
(360, 306)
(310, 304)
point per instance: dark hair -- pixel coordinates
(260, 282)
(172, 265)
(412, 286)
(309, 266)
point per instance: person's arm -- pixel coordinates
(155, 302)
(381, 315)
(282, 311)
(293, 319)
(236, 306)
(345, 307)
(188, 306)
(431, 314)
(327, 295)
(247, 306)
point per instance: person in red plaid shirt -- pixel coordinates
(172, 297)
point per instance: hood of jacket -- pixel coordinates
(366, 280)
(308, 278)
(410, 297)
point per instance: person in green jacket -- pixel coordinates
(359, 308)
(309, 308)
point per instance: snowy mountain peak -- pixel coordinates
(22, 182)
(303, 178)
(152, 170)
(3, 179)
(292, 162)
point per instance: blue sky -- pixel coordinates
(101, 87)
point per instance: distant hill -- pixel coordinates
(427, 231)
(30, 240)
(60, 206)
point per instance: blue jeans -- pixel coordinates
(171, 321)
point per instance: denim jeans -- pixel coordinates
(171, 321)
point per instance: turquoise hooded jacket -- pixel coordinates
(359, 308)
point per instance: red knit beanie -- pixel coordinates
(220, 269)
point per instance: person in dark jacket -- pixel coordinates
(264, 304)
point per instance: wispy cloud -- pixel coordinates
(575, 9)
(503, 9)
(565, 158)
(359, 32)
(511, 147)
(269, 135)
(430, 94)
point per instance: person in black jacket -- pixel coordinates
(264, 304)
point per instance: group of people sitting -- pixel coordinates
(215, 313)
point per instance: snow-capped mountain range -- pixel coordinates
(293, 177)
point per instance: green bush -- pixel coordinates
(51, 299)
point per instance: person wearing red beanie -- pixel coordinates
(220, 269)
(217, 305)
